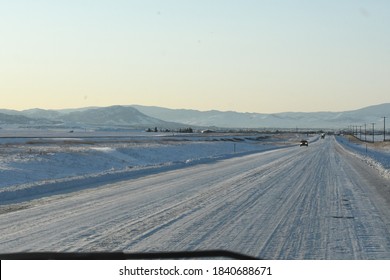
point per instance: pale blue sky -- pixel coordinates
(241, 55)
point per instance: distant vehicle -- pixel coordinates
(322, 135)
(304, 143)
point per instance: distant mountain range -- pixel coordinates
(368, 115)
(105, 117)
(142, 117)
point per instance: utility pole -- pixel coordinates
(360, 132)
(384, 129)
(373, 132)
(365, 132)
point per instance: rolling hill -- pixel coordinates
(141, 117)
(368, 115)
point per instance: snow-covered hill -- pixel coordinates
(105, 117)
(279, 120)
(113, 116)
(137, 116)
(6, 119)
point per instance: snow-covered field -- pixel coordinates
(53, 162)
(265, 197)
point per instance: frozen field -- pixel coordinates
(265, 197)
(32, 167)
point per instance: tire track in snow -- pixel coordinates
(313, 217)
(298, 203)
(173, 211)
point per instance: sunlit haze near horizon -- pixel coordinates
(238, 55)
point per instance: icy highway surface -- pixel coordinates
(316, 202)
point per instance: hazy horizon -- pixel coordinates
(238, 55)
(194, 109)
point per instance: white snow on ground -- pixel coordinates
(377, 156)
(40, 166)
(270, 199)
(24, 163)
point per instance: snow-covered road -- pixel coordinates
(316, 202)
